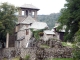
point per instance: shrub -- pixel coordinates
(27, 57)
(76, 53)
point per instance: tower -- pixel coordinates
(27, 15)
(27, 10)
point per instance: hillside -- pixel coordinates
(49, 19)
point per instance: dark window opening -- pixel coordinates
(27, 32)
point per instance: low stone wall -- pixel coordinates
(36, 53)
(58, 53)
(55, 50)
(29, 51)
(9, 52)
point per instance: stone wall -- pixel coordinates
(29, 51)
(58, 53)
(9, 52)
(56, 50)
(37, 53)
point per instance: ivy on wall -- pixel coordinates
(37, 33)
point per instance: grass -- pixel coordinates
(44, 46)
(17, 58)
(4, 58)
(61, 59)
(27, 57)
(67, 44)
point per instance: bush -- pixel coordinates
(76, 53)
(27, 57)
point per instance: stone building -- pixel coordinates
(26, 15)
(59, 34)
(48, 34)
(27, 19)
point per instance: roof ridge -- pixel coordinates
(29, 6)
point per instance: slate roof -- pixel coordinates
(39, 25)
(49, 32)
(30, 6)
(28, 20)
(52, 30)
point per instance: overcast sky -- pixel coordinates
(45, 6)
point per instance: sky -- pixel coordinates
(46, 6)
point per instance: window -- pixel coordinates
(27, 32)
(32, 14)
(27, 12)
(22, 12)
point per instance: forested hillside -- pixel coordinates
(49, 19)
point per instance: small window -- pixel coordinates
(27, 12)
(27, 32)
(32, 14)
(22, 12)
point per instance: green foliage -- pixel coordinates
(44, 46)
(76, 52)
(60, 59)
(70, 16)
(49, 19)
(77, 35)
(27, 57)
(7, 19)
(67, 44)
(36, 34)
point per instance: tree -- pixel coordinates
(70, 16)
(49, 19)
(76, 50)
(7, 20)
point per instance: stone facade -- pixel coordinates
(25, 19)
(27, 14)
(47, 36)
(25, 36)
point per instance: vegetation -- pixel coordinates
(27, 57)
(67, 44)
(49, 19)
(76, 52)
(36, 34)
(70, 16)
(16, 58)
(7, 20)
(44, 46)
(61, 59)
